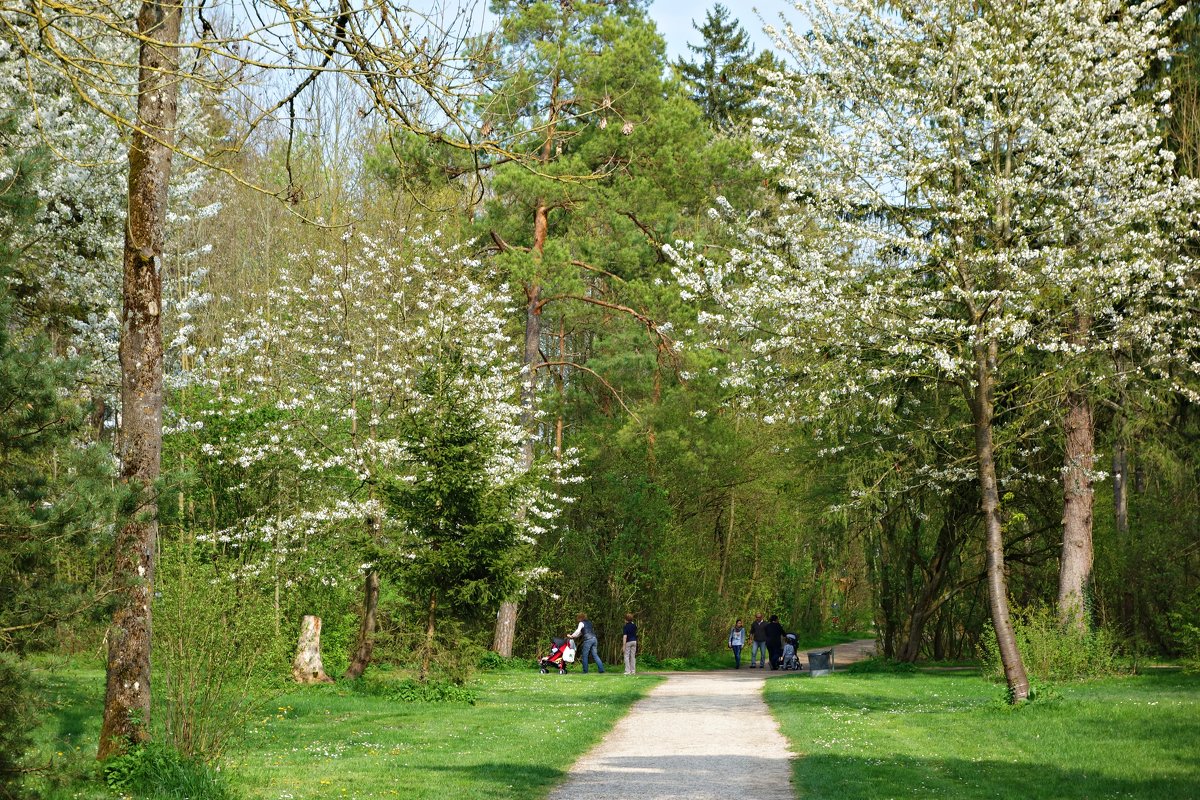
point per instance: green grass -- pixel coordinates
(950, 735)
(517, 741)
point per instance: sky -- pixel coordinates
(674, 20)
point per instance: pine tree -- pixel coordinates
(727, 80)
(47, 486)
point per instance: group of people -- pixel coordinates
(767, 639)
(589, 646)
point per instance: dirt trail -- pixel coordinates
(696, 736)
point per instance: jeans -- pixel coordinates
(759, 650)
(590, 648)
(737, 656)
(631, 657)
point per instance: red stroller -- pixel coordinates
(562, 652)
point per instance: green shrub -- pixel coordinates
(492, 661)
(18, 716)
(880, 665)
(411, 691)
(209, 640)
(156, 771)
(1053, 651)
(1184, 627)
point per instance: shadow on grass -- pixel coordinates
(847, 778)
(500, 779)
(630, 777)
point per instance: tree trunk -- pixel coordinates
(506, 619)
(1121, 489)
(983, 411)
(427, 656)
(307, 667)
(366, 629)
(1075, 566)
(506, 628)
(127, 691)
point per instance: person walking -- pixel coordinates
(758, 632)
(774, 641)
(589, 646)
(629, 645)
(737, 640)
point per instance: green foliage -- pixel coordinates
(459, 522)
(156, 771)
(880, 665)
(1053, 651)
(215, 651)
(726, 80)
(18, 714)
(1185, 630)
(55, 490)
(411, 691)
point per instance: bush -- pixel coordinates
(492, 661)
(410, 691)
(18, 694)
(155, 771)
(1051, 650)
(208, 645)
(1184, 627)
(881, 665)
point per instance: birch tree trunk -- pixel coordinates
(307, 666)
(983, 412)
(127, 690)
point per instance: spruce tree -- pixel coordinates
(727, 79)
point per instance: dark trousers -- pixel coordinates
(737, 656)
(774, 651)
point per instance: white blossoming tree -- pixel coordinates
(332, 367)
(977, 197)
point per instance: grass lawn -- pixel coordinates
(517, 741)
(950, 735)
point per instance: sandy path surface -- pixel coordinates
(696, 736)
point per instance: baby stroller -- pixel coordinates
(789, 660)
(562, 652)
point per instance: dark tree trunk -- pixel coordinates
(983, 413)
(127, 691)
(427, 655)
(1121, 489)
(1075, 566)
(366, 629)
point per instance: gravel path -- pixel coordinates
(696, 736)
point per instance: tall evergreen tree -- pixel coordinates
(727, 78)
(48, 491)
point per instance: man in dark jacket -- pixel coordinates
(758, 633)
(774, 641)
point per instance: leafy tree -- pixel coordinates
(324, 374)
(728, 78)
(945, 223)
(625, 159)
